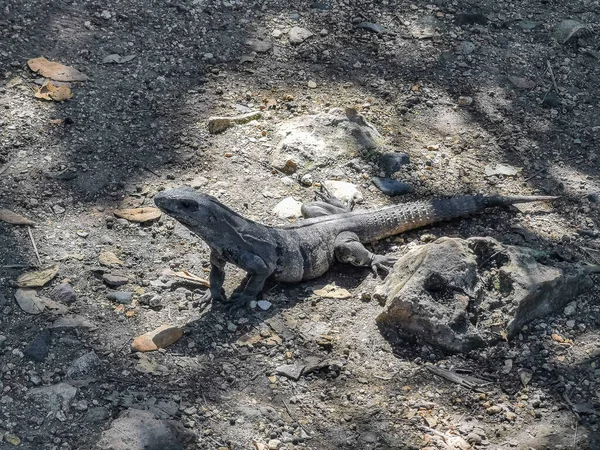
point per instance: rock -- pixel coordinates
(63, 293)
(73, 321)
(306, 180)
(502, 169)
(3, 300)
(495, 409)
(322, 140)
(120, 297)
(521, 83)
(37, 350)
(291, 371)
(259, 45)
(566, 30)
(372, 27)
(28, 301)
(346, 192)
(219, 124)
(391, 187)
(109, 259)
(274, 444)
(465, 101)
(199, 182)
(297, 35)
(288, 208)
(264, 304)
(161, 337)
(141, 430)
(332, 291)
(12, 439)
(115, 280)
(465, 48)
(311, 84)
(431, 294)
(552, 100)
(470, 19)
(391, 163)
(570, 309)
(84, 365)
(55, 398)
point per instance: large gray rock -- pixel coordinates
(461, 294)
(322, 140)
(55, 398)
(141, 430)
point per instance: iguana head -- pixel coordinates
(201, 213)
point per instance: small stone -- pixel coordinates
(37, 350)
(495, 409)
(120, 297)
(297, 35)
(276, 33)
(115, 280)
(274, 444)
(264, 304)
(511, 416)
(63, 293)
(370, 26)
(291, 371)
(84, 365)
(74, 321)
(58, 209)
(307, 179)
(391, 187)
(465, 101)
(97, 415)
(12, 439)
(570, 309)
(109, 258)
(29, 301)
(288, 208)
(161, 337)
(259, 45)
(391, 163)
(552, 100)
(312, 84)
(344, 191)
(199, 182)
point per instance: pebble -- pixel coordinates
(161, 337)
(115, 280)
(570, 309)
(495, 409)
(594, 197)
(120, 297)
(312, 84)
(372, 27)
(58, 209)
(264, 304)
(84, 365)
(12, 439)
(63, 293)
(307, 179)
(391, 187)
(274, 444)
(259, 45)
(276, 33)
(465, 101)
(38, 348)
(391, 163)
(552, 100)
(288, 208)
(344, 191)
(297, 35)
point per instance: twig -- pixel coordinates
(287, 408)
(16, 266)
(539, 171)
(151, 171)
(215, 441)
(468, 382)
(552, 76)
(571, 406)
(390, 378)
(575, 436)
(4, 169)
(34, 246)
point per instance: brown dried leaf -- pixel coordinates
(53, 93)
(14, 218)
(38, 278)
(55, 71)
(332, 291)
(138, 214)
(557, 337)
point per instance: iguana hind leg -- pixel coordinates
(328, 205)
(348, 249)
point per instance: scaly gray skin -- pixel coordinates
(308, 248)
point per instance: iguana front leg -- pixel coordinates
(348, 249)
(216, 279)
(258, 272)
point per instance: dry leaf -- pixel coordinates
(38, 278)
(138, 214)
(14, 218)
(53, 93)
(57, 121)
(108, 259)
(117, 59)
(557, 338)
(130, 313)
(55, 71)
(190, 277)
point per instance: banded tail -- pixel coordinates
(400, 218)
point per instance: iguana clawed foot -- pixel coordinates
(238, 301)
(383, 263)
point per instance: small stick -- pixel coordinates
(151, 171)
(385, 378)
(16, 266)
(4, 169)
(34, 246)
(552, 76)
(539, 171)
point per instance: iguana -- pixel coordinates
(306, 249)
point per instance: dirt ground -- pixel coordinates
(135, 128)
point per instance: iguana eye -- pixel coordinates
(189, 205)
